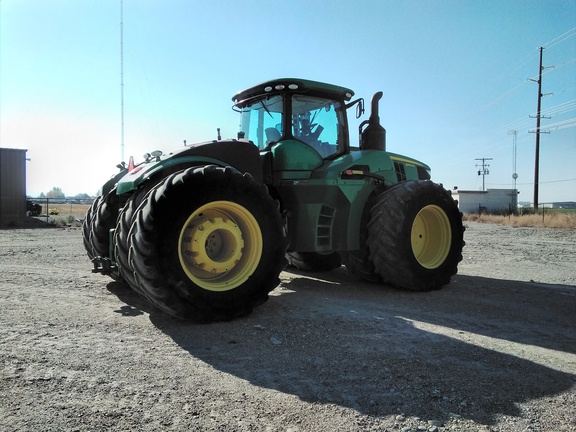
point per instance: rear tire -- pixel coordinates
(124, 224)
(121, 248)
(87, 227)
(416, 236)
(207, 244)
(313, 261)
(103, 220)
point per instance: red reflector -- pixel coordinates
(353, 172)
(131, 164)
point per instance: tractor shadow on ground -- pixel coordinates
(328, 338)
(528, 313)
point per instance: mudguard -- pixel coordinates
(242, 155)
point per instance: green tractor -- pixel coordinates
(204, 231)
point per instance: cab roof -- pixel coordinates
(296, 85)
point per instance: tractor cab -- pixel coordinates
(302, 116)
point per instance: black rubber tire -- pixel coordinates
(393, 226)
(358, 262)
(87, 227)
(124, 224)
(121, 248)
(313, 261)
(103, 220)
(158, 228)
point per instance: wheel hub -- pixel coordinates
(216, 244)
(431, 236)
(220, 245)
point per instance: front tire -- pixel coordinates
(207, 244)
(416, 236)
(358, 261)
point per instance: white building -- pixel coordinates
(493, 201)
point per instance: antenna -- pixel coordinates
(484, 171)
(514, 133)
(122, 80)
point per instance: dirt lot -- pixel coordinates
(493, 351)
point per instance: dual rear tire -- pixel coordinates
(205, 244)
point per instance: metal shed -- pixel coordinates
(12, 185)
(494, 201)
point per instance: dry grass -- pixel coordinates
(548, 219)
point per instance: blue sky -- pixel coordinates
(454, 75)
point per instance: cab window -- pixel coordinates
(317, 122)
(261, 121)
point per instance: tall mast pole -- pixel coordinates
(122, 80)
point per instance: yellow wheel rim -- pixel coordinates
(220, 246)
(431, 236)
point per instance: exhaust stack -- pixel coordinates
(373, 137)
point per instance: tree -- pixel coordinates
(56, 193)
(82, 196)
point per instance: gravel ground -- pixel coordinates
(493, 351)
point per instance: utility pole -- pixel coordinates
(484, 171)
(538, 131)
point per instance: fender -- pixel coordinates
(242, 155)
(109, 185)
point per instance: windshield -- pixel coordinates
(261, 121)
(316, 122)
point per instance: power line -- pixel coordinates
(531, 183)
(523, 124)
(558, 39)
(561, 108)
(559, 181)
(564, 124)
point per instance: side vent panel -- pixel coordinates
(400, 171)
(324, 228)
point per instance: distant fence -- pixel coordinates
(46, 207)
(61, 200)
